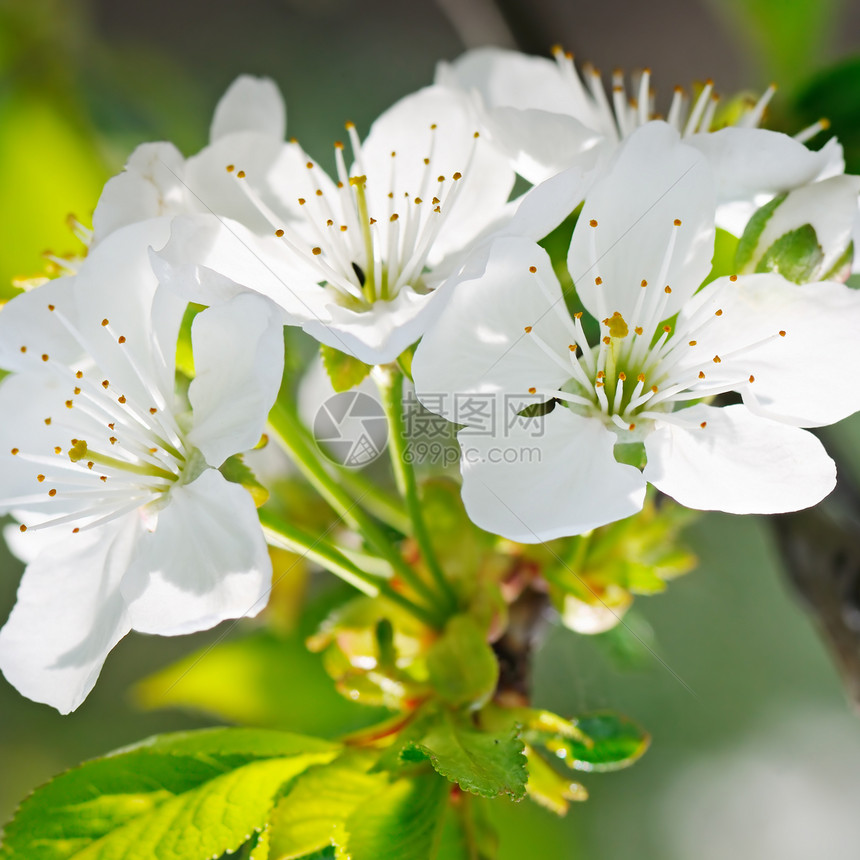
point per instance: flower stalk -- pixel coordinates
(389, 379)
(292, 436)
(287, 536)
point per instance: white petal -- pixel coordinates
(213, 189)
(152, 184)
(801, 377)
(210, 260)
(238, 363)
(739, 463)
(541, 209)
(750, 161)
(563, 481)
(250, 104)
(27, 401)
(479, 345)
(511, 79)
(116, 283)
(378, 335)
(205, 562)
(541, 144)
(451, 147)
(27, 323)
(653, 181)
(68, 616)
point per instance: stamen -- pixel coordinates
(698, 110)
(811, 130)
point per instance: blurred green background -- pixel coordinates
(761, 759)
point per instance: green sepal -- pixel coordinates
(482, 763)
(841, 266)
(184, 352)
(236, 471)
(538, 410)
(795, 255)
(462, 668)
(631, 453)
(404, 360)
(344, 371)
(748, 243)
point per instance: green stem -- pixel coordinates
(384, 507)
(293, 437)
(287, 536)
(466, 811)
(390, 382)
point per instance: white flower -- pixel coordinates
(548, 118)
(663, 350)
(157, 180)
(126, 521)
(357, 260)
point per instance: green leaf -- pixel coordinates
(748, 243)
(343, 370)
(151, 800)
(610, 742)
(479, 762)
(236, 471)
(215, 818)
(795, 255)
(262, 679)
(313, 814)
(401, 823)
(260, 845)
(462, 667)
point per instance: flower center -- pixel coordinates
(367, 246)
(99, 455)
(638, 373)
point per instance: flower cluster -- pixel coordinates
(622, 350)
